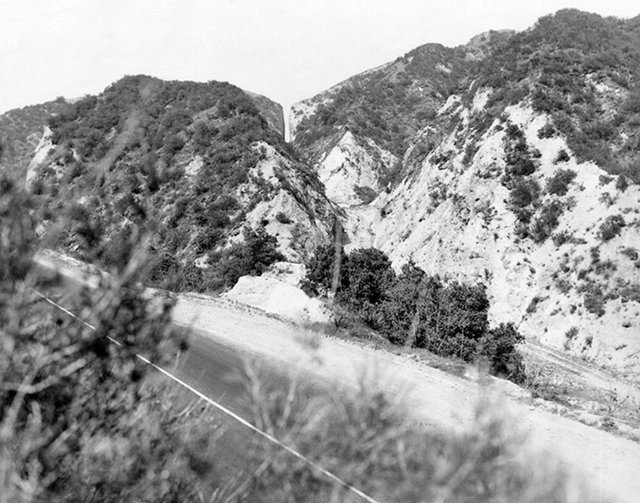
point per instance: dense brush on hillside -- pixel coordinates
(386, 105)
(584, 71)
(390, 104)
(199, 160)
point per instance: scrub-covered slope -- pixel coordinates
(525, 179)
(201, 159)
(557, 247)
(360, 128)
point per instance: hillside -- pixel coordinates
(512, 161)
(431, 293)
(20, 133)
(388, 104)
(523, 177)
(383, 108)
(225, 193)
(270, 110)
(583, 71)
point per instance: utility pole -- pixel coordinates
(337, 257)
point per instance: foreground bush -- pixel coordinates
(77, 421)
(361, 436)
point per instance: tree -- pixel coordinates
(523, 192)
(611, 227)
(413, 296)
(459, 321)
(369, 279)
(337, 258)
(319, 271)
(622, 183)
(498, 349)
(262, 249)
(558, 184)
(250, 257)
(415, 309)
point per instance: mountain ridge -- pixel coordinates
(513, 160)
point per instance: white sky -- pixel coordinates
(285, 49)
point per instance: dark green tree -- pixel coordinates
(250, 257)
(319, 271)
(498, 349)
(369, 278)
(409, 302)
(457, 324)
(558, 184)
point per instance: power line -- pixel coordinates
(222, 408)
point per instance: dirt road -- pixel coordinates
(610, 464)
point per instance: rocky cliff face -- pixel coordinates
(354, 170)
(518, 167)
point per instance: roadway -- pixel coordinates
(216, 370)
